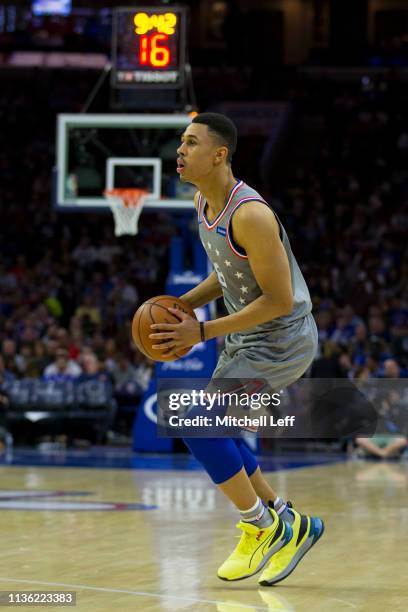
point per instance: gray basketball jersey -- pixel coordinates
(231, 264)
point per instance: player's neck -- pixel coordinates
(216, 191)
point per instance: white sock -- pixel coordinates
(257, 515)
(279, 505)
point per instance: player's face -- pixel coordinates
(198, 154)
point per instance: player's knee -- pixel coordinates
(219, 456)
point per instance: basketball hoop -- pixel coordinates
(126, 206)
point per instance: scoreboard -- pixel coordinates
(148, 48)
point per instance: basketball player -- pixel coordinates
(269, 333)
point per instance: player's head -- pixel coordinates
(222, 130)
(208, 144)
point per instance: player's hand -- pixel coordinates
(176, 335)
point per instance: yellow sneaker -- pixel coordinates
(255, 548)
(306, 532)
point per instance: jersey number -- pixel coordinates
(221, 277)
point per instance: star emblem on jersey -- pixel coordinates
(239, 275)
(217, 252)
(209, 245)
(244, 289)
(241, 300)
(227, 263)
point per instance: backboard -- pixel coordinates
(95, 152)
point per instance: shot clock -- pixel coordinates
(149, 47)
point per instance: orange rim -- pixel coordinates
(131, 198)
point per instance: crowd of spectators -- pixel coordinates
(69, 288)
(347, 214)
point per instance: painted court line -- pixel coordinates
(126, 592)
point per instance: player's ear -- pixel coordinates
(221, 155)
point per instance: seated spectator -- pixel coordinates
(391, 442)
(63, 368)
(324, 324)
(75, 343)
(51, 347)
(334, 363)
(359, 343)
(13, 362)
(37, 362)
(131, 381)
(52, 300)
(28, 331)
(384, 447)
(76, 337)
(26, 354)
(125, 297)
(88, 313)
(377, 329)
(91, 368)
(377, 355)
(124, 377)
(43, 318)
(40, 359)
(362, 373)
(343, 331)
(5, 375)
(92, 372)
(97, 342)
(392, 369)
(62, 337)
(84, 253)
(110, 354)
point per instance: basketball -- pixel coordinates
(155, 310)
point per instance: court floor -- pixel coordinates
(151, 540)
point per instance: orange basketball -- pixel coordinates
(152, 311)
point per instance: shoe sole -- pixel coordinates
(260, 566)
(295, 561)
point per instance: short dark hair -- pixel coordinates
(223, 128)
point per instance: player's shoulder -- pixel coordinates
(254, 208)
(255, 214)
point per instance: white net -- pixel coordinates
(126, 206)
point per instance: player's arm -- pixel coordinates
(206, 291)
(256, 230)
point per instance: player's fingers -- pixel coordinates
(162, 336)
(164, 326)
(163, 345)
(179, 314)
(170, 353)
